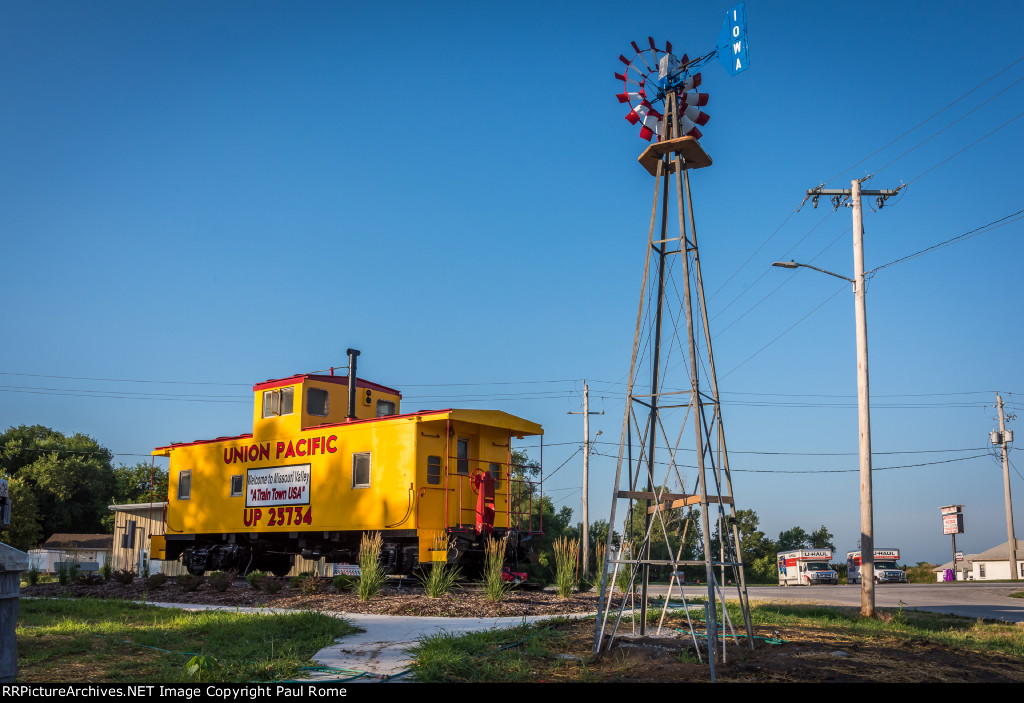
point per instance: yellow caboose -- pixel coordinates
(331, 457)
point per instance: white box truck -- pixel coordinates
(806, 567)
(886, 568)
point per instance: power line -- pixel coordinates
(123, 380)
(960, 237)
(86, 394)
(784, 332)
(877, 151)
(826, 471)
(927, 119)
(853, 471)
(975, 109)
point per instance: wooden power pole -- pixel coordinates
(1004, 439)
(586, 473)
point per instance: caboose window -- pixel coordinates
(385, 407)
(236, 486)
(496, 473)
(316, 402)
(433, 470)
(278, 401)
(462, 456)
(361, 470)
(184, 485)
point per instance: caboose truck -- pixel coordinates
(806, 567)
(331, 458)
(886, 568)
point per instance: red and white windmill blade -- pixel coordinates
(644, 81)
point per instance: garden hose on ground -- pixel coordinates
(356, 675)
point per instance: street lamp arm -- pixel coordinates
(793, 265)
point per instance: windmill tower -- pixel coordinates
(672, 459)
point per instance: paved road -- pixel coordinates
(973, 599)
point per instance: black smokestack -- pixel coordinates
(352, 354)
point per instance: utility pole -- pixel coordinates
(1004, 439)
(586, 473)
(852, 198)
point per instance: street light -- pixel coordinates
(867, 539)
(793, 265)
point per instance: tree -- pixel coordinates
(24, 531)
(793, 538)
(555, 524)
(821, 538)
(524, 471)
(70, 479)
(754, 543)
(139, 483)
(682, 528)
(758, 549)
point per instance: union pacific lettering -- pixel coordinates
(307, 446)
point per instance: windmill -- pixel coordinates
(672, 380)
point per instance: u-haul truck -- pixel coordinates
(886, 568)
(806, 567)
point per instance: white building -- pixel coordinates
(90, 552)
(991, 565)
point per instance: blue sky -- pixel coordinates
(199, 196)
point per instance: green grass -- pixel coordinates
(86, 640)
(910, 625)
(493, 655)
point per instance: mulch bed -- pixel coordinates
(407, 599)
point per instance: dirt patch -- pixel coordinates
(804, 654)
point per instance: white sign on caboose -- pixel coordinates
(277, 485)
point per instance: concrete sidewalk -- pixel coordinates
(380, 651)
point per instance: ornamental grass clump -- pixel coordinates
(495, 585)
(567, 555)
(371, 573)
(439, 578)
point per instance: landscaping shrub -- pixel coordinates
(156, 580)
(495, 587)
(567, 557)
(66, 572)
(90, 578)
(439, 578)
(372, 576)
(271, 584)
(255, 579)
(220, 581)
(188, 582)
(311, 585)
(124, 576)
(32, 575)
(344, 583)
(296, 581)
